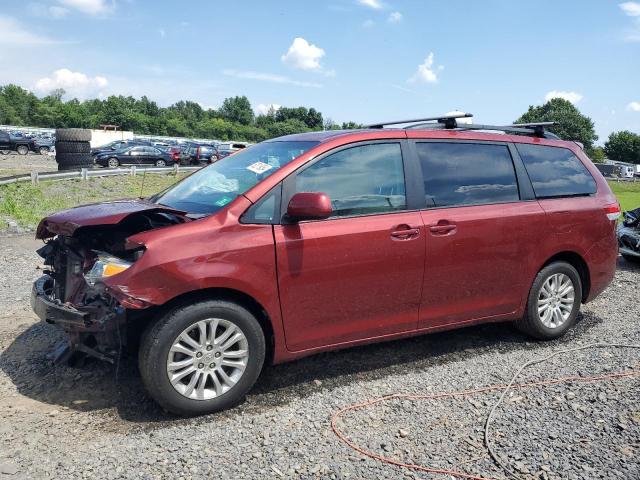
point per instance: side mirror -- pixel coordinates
(309, 206)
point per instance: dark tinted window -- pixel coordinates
(467, 173)
(555, 172)
(359, 180)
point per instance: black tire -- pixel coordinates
(530, 323)
(76, 158)
(159, 337)
(631, 258)
(73, 147)
(161, 163)
(43, 150)
(22, 149)
(113, 163)
(73, 166)
(73, 135)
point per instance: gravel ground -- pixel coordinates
(14, 164)
(96, 422)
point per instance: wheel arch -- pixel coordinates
(576, 261)
(216, 293)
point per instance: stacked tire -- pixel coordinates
(73, 150)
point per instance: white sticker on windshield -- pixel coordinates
(259, 167)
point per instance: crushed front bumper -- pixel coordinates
(52, 311)
(97, 332)
(629, 241)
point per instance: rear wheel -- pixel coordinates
(202, 358)
(22, 149)
(161, 163)
(553, 303)
(43, 150)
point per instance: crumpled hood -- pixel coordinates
(68, 221)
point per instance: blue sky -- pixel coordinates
(361, 60)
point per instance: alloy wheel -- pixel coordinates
(556, 300)
(113, 163)
(207, 359)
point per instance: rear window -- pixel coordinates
(555, 171)
(467, 173)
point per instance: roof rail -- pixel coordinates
(448, 120)
(526, 129)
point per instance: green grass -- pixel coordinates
(27, 204)
(628, 194)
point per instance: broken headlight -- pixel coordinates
(105, 266)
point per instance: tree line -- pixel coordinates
(236, 120)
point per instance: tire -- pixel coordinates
(73, 166)
(43, 150)
(155, 351)
(113, 163)
(161, 163)
(77, 158)
(73, 135)
(532, 323)
(631, 258)
(22, 149)
(73, 147)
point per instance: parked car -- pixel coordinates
(12, 143)
(117, 145)
(135, 155)
(201, 153)
(325, 240)
(43, 145)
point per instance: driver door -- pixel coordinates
(357, 274)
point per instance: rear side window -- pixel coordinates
(555, 172)
(467, 173)
(360, 180)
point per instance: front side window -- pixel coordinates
(211, 188)
(359, 180)
(555, 171)
(467, 173)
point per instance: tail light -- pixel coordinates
(612, 211)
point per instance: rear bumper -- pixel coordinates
(51, 311)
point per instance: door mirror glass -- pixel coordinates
(309, 206)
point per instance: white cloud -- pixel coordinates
(572, 97)
(368, 23)
(632, 9)
(427, 72)
(395, 17)
(634, 106)
(303, 55)
(90, 7)
(76, 84)
(375, 4)
(162, 32)
(12, 33)
(47, 11)
(264, 108)
(268, 77)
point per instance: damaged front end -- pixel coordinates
(80, 254)
(629, 235)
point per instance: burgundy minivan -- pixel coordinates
(325, 240)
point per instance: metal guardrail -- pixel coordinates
(86, 173)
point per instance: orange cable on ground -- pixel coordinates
(505, 387)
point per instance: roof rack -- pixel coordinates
(449, 121)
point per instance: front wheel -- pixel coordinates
(553, 303)
(202, 358)
(113, 163)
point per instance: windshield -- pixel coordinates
(211, 188)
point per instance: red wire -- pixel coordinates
(489, 388)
